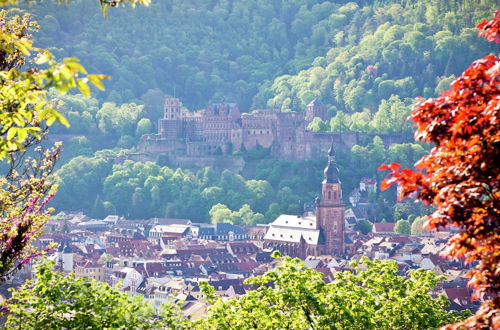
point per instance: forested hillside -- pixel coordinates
(352, 54)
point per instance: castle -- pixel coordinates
(322, 234)
(221, 129)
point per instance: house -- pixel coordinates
(174, 230)
(460, 296)
(222, 232)
(93, 225)
(128, 277)
(112, 219)
(383, 228)
(368, 185)
(256, 233)
(91, 270)
(241, 248)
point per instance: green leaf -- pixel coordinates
(84, 88)
(96, 80)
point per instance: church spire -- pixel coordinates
(331, 170)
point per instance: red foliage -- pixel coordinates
(461, 174)
(491, 29)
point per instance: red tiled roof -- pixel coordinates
(462, 294)
(383, 227)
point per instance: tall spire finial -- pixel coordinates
(331, 171)
(331, 153)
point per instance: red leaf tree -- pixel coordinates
(461, 173)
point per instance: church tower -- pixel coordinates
(329, 209)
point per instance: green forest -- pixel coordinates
(366, 61)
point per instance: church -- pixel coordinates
(313, 235)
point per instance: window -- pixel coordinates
(329, 195)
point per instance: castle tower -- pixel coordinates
(329, 209)
(171, 125)
(172, 108)
(315, 109)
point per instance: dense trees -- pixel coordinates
(224, 50)
(378, 51)
(244, 216)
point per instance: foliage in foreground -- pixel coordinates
(56, 301)
(373, 296)
(459, 177)
(291, 296)
(26, 74)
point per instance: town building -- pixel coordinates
(321, 234)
